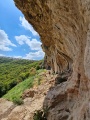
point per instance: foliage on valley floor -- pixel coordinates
(14, 71)
(16, 92)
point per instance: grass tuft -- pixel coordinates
(15, 93)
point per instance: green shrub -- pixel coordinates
(32, 71)
(39, 81)
(27, 74)
(12, 84)
(17, 91)
(2, 89)
(41, 114)
(22, 76)
(38, 67)
(18, 101)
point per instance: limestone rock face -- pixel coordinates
(64, 28)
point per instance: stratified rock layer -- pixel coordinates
(64, 28)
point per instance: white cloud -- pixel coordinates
(35, 55)
(18, 57)
(27, 26)
(2, 55)
(5, 43)
(33, 44)
(38, 55)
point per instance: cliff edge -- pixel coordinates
(64, 28)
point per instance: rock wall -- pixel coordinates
(64, 28)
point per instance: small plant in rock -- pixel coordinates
(38, 115)
(41, 114)
(39, 81)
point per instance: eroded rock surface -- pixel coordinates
(64, 28)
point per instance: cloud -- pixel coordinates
(20, 57)
(27, 26)
(38, 55)
(5, 43)
(2, 55)
(33, 44)
(35, 55)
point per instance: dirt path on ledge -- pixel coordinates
(8, 111)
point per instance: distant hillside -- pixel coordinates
(14, 60)
(14, 71)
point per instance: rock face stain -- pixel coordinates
(64, 29)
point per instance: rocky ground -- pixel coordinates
(60, 96)
(33, 100)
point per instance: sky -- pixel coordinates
(18, 38)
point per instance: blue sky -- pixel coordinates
(18, 39)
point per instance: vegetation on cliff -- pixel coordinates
(14, 71)
(16, 92)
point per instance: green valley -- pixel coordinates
(14, 71)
